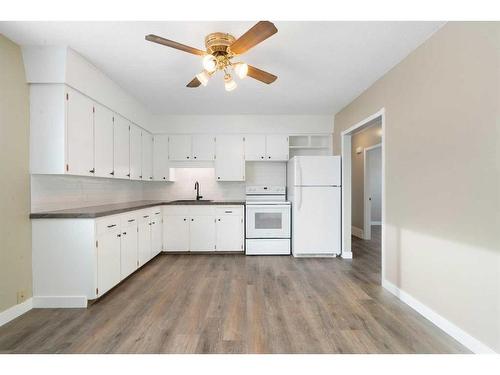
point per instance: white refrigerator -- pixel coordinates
(314, 188)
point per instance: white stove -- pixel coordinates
(267, 221)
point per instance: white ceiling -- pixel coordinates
(321, 66)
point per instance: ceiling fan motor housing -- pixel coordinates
(218, 43)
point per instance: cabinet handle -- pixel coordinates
(145, 216)
(131, 220)
(194, 157)
(140, 176)
(185, 219)
(187, 157)
(164, 178)
(228, 212)
(262, 157)
(112, 173)
(128, 175)
(192, 219)
(218, 219)
(124, 233)
(118, 235)
(269, 157)
(92, 170)
(112, 225)
(218, 178)
(153, 222)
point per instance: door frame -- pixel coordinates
(346, 145)
(367, 212)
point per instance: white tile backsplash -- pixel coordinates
(54, 192)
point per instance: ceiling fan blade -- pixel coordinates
(194, 83)
(258, 33)
(261, 75)
(172, 44)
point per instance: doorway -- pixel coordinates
(347, 151)
(372, 189)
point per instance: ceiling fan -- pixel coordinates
(221, 48)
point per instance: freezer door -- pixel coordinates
(316, 221)
(317, 171)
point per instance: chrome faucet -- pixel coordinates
(197, 188)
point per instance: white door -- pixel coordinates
(129, 250)
(156, 234)
(255, 147)
(202, 233)
(179, 147)
(80, 134)
(108, 260)
(144, 239)
(176, 233)
(135, 152)
(316, 221)
(229, 235)
(229, 162)
(203, 147)
(147, 156)
(121, 148)
(160, 158)
(277, 147)
(103, 141)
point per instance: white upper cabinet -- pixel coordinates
(121, 148)
(179, 147)
(255, 147)
(103, 141)
(135, 153)
(147, 156)
(230, 161)
(203, 147)
(266, 147)
(80, 134)
(277, 147)
(160, 158)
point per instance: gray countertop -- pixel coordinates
(118, 208)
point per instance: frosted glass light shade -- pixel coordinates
(203, 77)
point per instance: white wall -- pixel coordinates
(215, 124)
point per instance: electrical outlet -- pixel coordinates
(21, 296)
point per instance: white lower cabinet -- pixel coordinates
(203, 228)
(156, 233)
(144, 241)
(108, 260)
(129, 248)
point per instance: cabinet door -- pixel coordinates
(160, 158)
(147, 156)
(277, 147)
(203, 147)
(103, 141)
(121, 148)
(229, 233)
(255, 147)
(80, 134)
(156, 234)
(144, 239)
(202, 233)
(229, 162)
(108, 261)
(176, 233)
(179, 147)
(135, 152)
(129, 250)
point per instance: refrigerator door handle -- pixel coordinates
(299, 179)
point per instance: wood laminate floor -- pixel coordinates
(238, 304)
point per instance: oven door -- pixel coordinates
(268, 221)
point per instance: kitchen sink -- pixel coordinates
(192, 201)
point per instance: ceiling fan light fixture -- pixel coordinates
(229, 83)
(241, 69)
(203, 77)
(209, 63)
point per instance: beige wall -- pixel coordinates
(365, 138)
(15, 227)
(442, 174)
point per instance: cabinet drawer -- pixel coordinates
(129, 218)
(107, 224)
(229, 210)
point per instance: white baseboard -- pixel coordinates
(451, 329)
(358, 232)
(346, 255)
(17, 310)
(376, 223)
(69, 302)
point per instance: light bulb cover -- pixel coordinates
(203, 77)
(241, 69)
(209, 63)
(229, 83)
